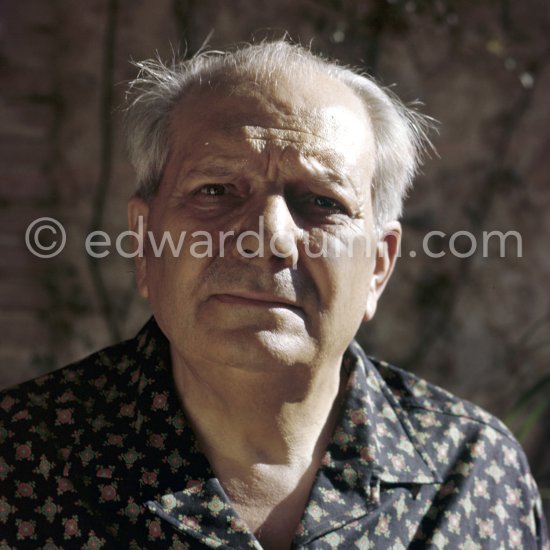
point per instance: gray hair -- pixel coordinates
(400, 132)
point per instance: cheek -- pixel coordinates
(348, 245)
(342, 266)
(159, 283)
(174, 261)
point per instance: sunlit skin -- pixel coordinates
(257, 342)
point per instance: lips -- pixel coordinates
(257, 299)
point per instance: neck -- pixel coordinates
(264, 433)
(251, 418)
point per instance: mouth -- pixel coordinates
(255, 299)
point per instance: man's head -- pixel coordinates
(399, 132)
(275, 142)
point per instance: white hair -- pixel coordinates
(400, 132)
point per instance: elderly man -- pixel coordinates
(244, 415)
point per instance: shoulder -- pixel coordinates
(76, 382)
(420, 398)
(453, 434)
(450, 427)
(480, 462)
(43, 416)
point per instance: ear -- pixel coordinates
(138, 214)
(387, 252)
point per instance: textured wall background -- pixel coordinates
(478, 326)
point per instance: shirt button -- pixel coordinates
(168, 502)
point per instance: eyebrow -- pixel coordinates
(230, 167)
(323, 178)
(328, 178)
(315, 170)
(212, 171)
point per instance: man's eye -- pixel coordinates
(327, 203)
(213, 190)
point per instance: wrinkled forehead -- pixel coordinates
(316, 112)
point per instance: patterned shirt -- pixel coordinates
(99, 455)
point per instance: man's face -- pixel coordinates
(293, 163)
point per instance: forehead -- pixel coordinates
(315, 116)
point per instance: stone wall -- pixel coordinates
(478, 326)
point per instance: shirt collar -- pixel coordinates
(374, 430)
(373, 445)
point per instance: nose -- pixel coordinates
(269, 232)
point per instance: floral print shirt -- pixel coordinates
(99, 455)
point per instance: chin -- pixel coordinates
(265, 350)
